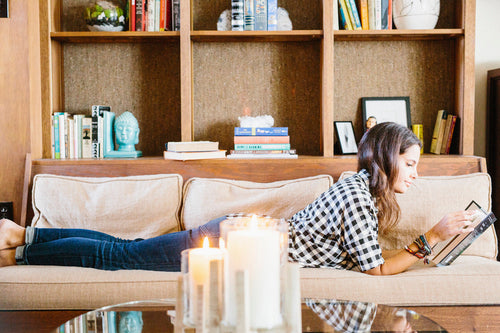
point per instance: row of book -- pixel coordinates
(442, 136)
(365, 14)
(79, 135)
(254, 15)
(261, 142)
(154, 15)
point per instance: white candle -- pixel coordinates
(199, 274)
(257, 250)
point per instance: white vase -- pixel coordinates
(415, 14)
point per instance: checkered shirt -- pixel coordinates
(339, 229)
(344, 316)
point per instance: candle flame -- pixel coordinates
(206, 243)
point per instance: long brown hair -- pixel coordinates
(378, 153)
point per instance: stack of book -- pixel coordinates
(193, 150)
(250, 15)
(261, 142)
(442, 136)
(365, 14)
(154, 15)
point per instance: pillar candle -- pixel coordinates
(257, 250)
(199, 273)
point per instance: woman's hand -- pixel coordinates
(450, 225)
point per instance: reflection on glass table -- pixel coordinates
(318, 315)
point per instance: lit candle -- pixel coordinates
(257, 250)
(199, 275)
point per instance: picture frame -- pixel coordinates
(4, 8)
(385, 109)
(345, 137)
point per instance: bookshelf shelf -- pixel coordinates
(400, 35)
(256, 36)
(193, 84)
(112, 37)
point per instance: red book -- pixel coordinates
(162, 15)
(168, 15)
(131, 11)
(261, 139)
(450, 135)
(144, 14)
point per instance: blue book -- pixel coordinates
(261, 131)
(262, 146)
(272, 15)
(57, 145)
(261, 15)
(249, 15)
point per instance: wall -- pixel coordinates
(487, 58)
(19, 95)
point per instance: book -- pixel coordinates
(442, 128)
(249, 16)
(384, 14)
(189, 146)
(458, 244)
(57, 137)
(96, 114)
(193, 155)
(344, 15)
(176, 15)
(418, 130)
(437, 130)
(274, 131)
(446, 133)
(335, 15)
(371, 15)
(277, 151)
(132, 10)
(378, 14)
(450, 135)
(272, 15)
(353, 14)
(262, 146)
(261, 15)
(87, 137)
(262, 139)
(363, 14)
(237, 15)
(257, 156)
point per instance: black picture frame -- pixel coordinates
(384, 109)
(345, 137)
(4, 8)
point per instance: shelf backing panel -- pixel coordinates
(277, 79)
(141, 78)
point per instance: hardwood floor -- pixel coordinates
(456, 319)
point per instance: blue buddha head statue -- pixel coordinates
(126, 131)
(130, 322)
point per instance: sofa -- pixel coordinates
(152, 204)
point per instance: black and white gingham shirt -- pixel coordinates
(339, 229)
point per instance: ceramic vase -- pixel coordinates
(415, 14)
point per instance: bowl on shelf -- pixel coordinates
(105, 16)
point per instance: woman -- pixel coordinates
(339, 229)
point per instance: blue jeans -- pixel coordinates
(87, 248)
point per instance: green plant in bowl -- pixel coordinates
(105, 16)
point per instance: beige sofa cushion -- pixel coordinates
(209, 198)
(126, 207)
(432, 197)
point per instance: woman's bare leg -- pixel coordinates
(7, 257)
(12, 234)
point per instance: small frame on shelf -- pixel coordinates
(4, 8)
(384, 109)
(345, 137)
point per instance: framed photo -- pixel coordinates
(383, 109)
(4, 8)
(345, 137)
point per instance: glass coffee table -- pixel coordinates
(318, 315)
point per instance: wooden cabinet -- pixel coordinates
(194, 84)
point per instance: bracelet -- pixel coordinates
(414, 253)
(423, 246)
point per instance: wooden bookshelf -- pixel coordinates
(194, 83)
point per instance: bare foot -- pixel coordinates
(11, 234)
(7, 257)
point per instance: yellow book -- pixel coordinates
(418, 130)
(363, 13)
(345, 13)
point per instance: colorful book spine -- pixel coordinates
(272, 15)
(363, 14)
(132, 10)
(261, 15)
(162, 14)
(87, 137)
(237, 15)
(139, 15)
(261, 139)
(344, 15)
(263, 146)
(261, 131)
(384, 12)
(249, 16)
(353, 14)
(418, 130)
(57, 138)
(449, 139)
